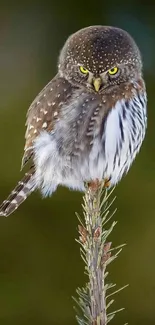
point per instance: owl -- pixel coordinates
(89, 122)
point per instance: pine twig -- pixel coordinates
(96, 254)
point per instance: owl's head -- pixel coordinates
(100, 56)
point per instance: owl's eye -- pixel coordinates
(83, 70)
(113, 71)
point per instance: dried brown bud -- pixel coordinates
(106, 254)
(106, 247)
(83, 234)
(97, 233)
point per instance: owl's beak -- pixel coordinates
(97, 83)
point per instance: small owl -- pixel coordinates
(89, 122)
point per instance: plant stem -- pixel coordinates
(96, 253)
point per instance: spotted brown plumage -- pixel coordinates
(89, 122)
(43, 112)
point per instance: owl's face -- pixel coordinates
(100, 57)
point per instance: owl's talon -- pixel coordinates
(94, 185)
(107, 182)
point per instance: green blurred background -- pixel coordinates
(40, 266)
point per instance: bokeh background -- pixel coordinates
(40, 266)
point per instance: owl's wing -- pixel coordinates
(44, 112)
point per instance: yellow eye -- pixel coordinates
(83, 70)
(113, 71)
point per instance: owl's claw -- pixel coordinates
(107, 182)
(94, 185)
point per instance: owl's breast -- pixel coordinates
(94, 146)
(62, 156)
(79, 120)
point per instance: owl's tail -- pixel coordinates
(20, 193)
